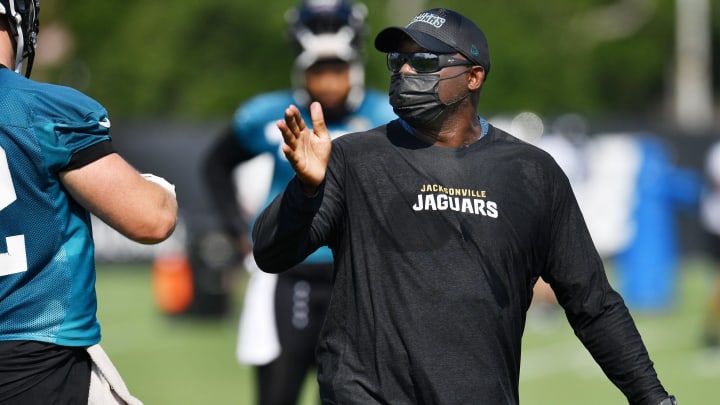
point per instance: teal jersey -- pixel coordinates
(47, 270)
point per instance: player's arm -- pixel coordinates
(142, 208)
(217, 168)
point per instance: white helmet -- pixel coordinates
(326, 30)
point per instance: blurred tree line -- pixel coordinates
(199, 59)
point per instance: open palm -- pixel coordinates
(307, 149)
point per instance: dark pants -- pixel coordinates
(37, 373)
(302, 296)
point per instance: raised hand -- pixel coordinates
(307, 149)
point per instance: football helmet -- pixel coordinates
(328, 30)
(22, 16)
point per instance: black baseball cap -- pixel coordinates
(443, 31)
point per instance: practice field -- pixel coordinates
(187, 361)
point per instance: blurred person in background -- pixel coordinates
(656, 192)
(440, 225)
(282, 315)
(710, 221)
(635, 174)
(58, 166)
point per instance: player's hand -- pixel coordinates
(307, 149)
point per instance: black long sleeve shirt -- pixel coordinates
(436, 253)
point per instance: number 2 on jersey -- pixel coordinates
(15, 259)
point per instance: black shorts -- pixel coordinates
(43, 373)
(302, 297)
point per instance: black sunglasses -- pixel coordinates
(423, 62)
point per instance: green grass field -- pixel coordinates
(188, 361)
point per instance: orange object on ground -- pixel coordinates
(172, 283)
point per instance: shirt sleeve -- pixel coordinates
(282, 234)
(67, 125)
(218, 167)
(596, 312)
(89, 154)
(294, 225)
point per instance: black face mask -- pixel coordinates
(415, 99)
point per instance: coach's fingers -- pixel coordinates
(287, 135)
(292, 126)
(294, 120)
(318, 120)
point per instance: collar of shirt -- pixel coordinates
(483, 123)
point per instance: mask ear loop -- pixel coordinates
(459, 99)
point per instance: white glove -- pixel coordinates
(160, 182)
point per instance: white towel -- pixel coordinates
(106, 385)
(258, 342)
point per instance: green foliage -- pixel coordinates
(195, 59)
(190, 59)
